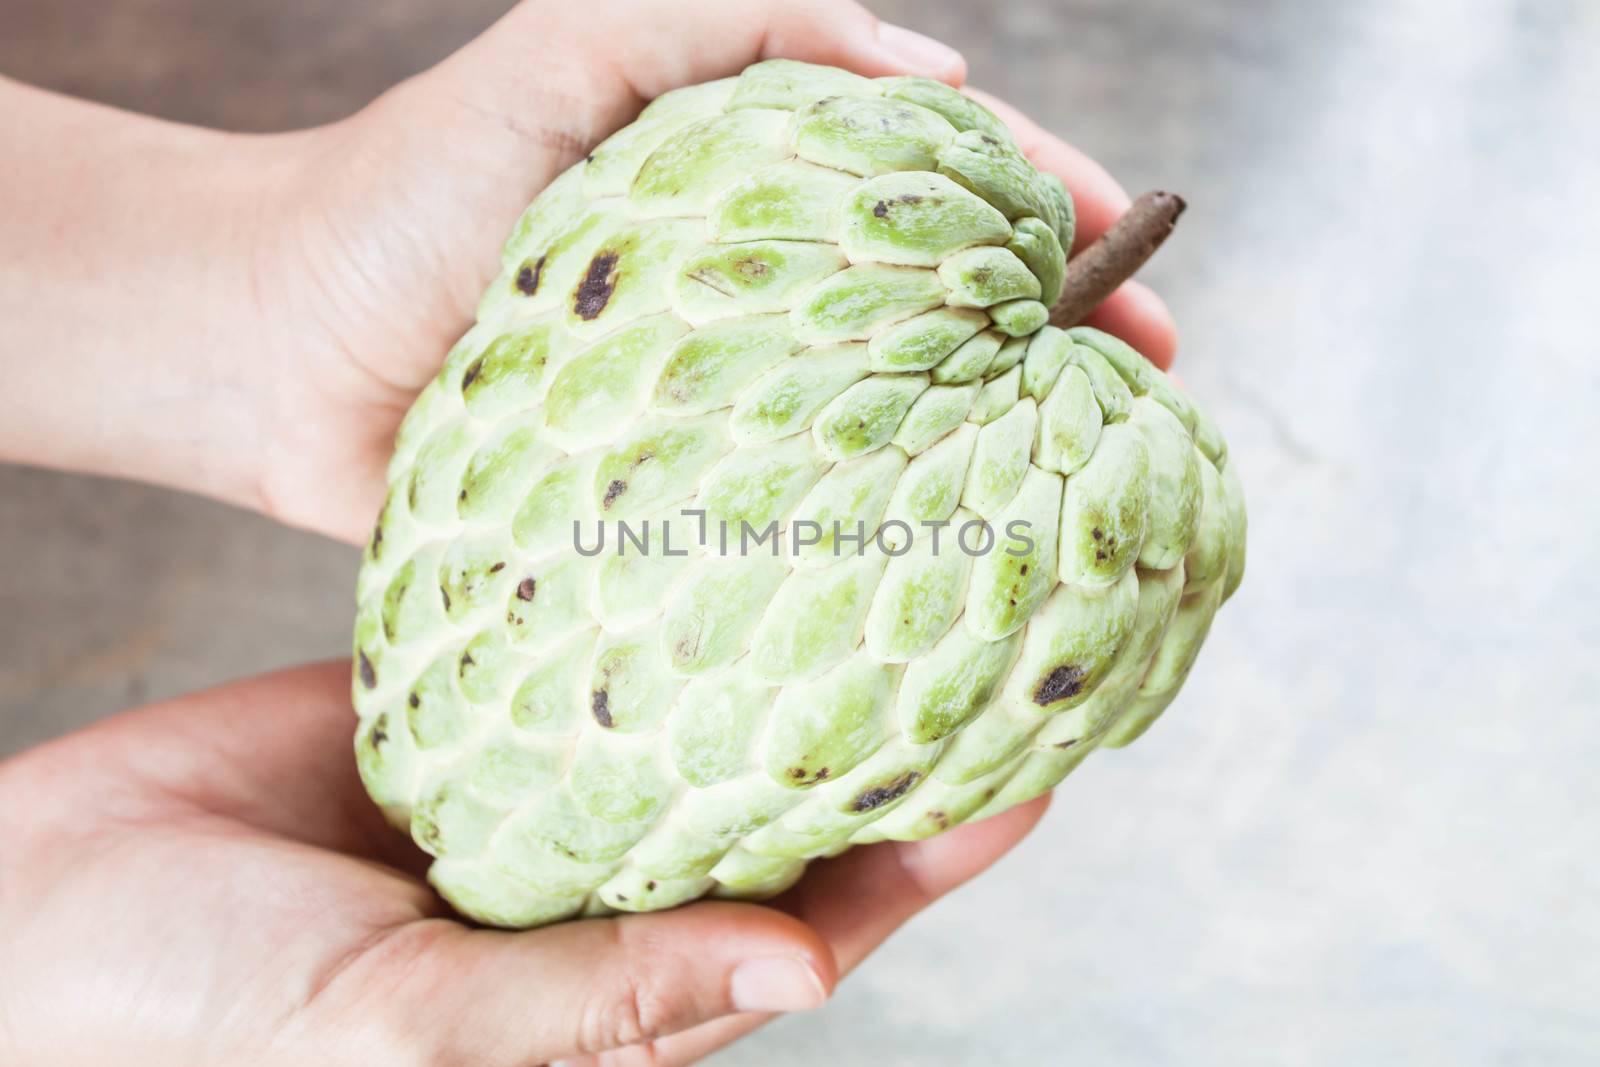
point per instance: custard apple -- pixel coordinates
(762, 513)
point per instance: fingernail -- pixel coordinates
(776, 983)
(919, 52)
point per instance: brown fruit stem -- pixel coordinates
(1094, 273)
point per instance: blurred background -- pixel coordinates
(1369, 831)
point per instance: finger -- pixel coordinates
(658, 45)
(1097, 197)
(679, 1050)
(1134, 312)
(1140, 317)
(586, 987)
(598, 63)
(860, 898)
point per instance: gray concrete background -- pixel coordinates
(1367, 833)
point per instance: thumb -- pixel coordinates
(580, 71)
(578, 988)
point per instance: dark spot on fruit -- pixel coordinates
(378, 735)
(377, 537)
(686, 648)
(369, 677)
(751, 268)
(475, 369)
(525, 589)
(989, 139)
(878, 796)
(1024, 569)
(589, 158)
(528, 277)
(388, 623)
(650, 886)
(1067, 744)
(614, 490)
(445, 594)
(712, 280)
(411, 493)
(461, 497)
(498, 567)
(621, 897)
(1098, 534)
(1065, 681)
(601, 707)
(799, 774)
(599, 282)
(882, 207)
(1100, 555)
(467, 660)
(941, 819)
(413, 700)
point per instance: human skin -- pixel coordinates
(205, 882)
(248, 317)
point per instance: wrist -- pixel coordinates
(128, 284)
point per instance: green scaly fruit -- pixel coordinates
(794, 297)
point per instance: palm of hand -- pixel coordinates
(381, 263)
(242, 862)
(393, 240)
(262, 911)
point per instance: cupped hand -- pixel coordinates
(377, 243)
(205, 882)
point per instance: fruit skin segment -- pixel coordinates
(813, 305)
